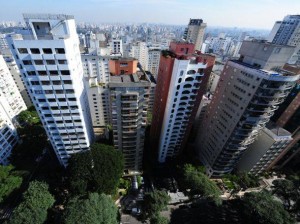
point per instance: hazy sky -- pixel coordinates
(228, 13)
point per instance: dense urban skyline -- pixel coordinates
(218, 13)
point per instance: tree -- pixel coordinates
(8, 181)
(108, 168)
(34, 206)
(28, 117)
(159, 220)
(34, 140)
(261, 208)
(285, 190)
(154, 203)
(80, 168)
(92, 209)
(98, 170)
(200, 185)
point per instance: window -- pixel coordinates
(65, 72)
(35, 50)
(54, 72)
(22, 50)
(62, 62)
(31, 73)
(59, 50)
(50, 62)
(38, 62)
(67, 82)
(27, 62)
(47, 50)
(42, 73)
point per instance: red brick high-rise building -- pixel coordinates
(182, 78)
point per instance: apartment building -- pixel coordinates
(249, 91)
(153, 61)
(181, 83)
(11, 104)
(129, 93)
(194, 33)
(48, 56)
(269, 144)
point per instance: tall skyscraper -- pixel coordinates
(96, 78)
(249, 92)
(182, 79)
(48, 56)
(139, 51)
(286, 32)
(153, 61)
(15, 72)
(129, 93)
(194, 33)
(11, 104)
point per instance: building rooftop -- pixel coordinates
(42, 16)
(278, 131)
(269, 73)
(137, 79)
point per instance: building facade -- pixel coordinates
(139, 51)
(266, 148)
(153, 61)
(96, 79)
(182, 80)
(286, 32)
(194, 33)
(129, 95)
(247, 97)
(11, 104)
(48, 56)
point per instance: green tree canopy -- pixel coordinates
(199, 184)
(287, 191)
(29, 117)
(159, 220)
(98, 170)
(92, 209)
(261, 208)
(34, 206)
(8, 181)
(154, 203)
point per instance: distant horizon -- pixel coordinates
(154, 23)
(254, 14)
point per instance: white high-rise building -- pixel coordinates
(96, 73)
(116, 47)
(139, 51)
(11, 104)
(48, 56)
(153, 61)
(15, 72)
(286, 32)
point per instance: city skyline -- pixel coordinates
(154, 11)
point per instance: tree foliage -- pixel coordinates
(28, 117)
(34, 140)
(34, 206)
(154, 203)
(261, 208)
(8, 181)
(92, 209)
(288, 190)
(159, 220)
(243, 179)
(98, 170)
(199, 184)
